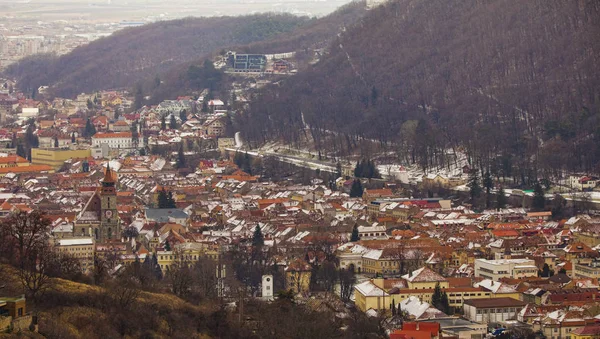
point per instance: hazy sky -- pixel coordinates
(117, 10)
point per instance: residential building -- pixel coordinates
(81, 249)
(505, 268)
(297, 276)
(114, 140)
(587, 270)
(492, 310)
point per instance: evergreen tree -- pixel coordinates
(539, 200)
(55, 142)
(138, 100)
(183, 116)
(21, 151)
(358, 170)
(436, 298)
(163, 123)
(545, 272)
(170, 200)
(558, 207)
(90, 129)
(338, 170)
(180, 157)
(445, 303)
(117, 113)
(257, 239)
(500, 199)
(204, 108)
(167, 245)
(488, 183)
(156, 268)
(357, 190)
(162, 198)
(393, 307)
(246, 164)
(73, 137)
(173, 122)
(355, 237)
(474, 187)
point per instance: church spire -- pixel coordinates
(108, 176)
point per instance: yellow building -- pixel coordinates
(81, 249)
(56, 157)
(297, 276)
(378, 294)
(424, 278)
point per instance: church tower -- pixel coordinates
(109, 217)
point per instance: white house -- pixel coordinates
(117, 140)
(505, 268)
(492, 310)
(582, 182)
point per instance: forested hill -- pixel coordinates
(513, 83)
(132, 54)
(313, 34)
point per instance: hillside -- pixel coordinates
(122, 309)
(132, 54)
(313, 34)
(514, 84)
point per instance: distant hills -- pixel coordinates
(514, 84)
(132, 54)
(167, 49)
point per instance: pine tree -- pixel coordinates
(357, 190)
(156, 268)
(500, 199)
(180, 157)
(358, 170)
(436, 298)
(167, 245)
(355, 237)
(163, 123)
(162, 198)
(445, 303)
(257, 239)
(170, 200)
(138, 100)
(488, 183)
(55, 142)
(539, 200)
(73, 137)
(183, 116)
(474, 188)
(173, 122)
(21, 151)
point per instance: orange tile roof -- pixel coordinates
(13, 159)
(26, 169)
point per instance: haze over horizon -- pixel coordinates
(151, 10)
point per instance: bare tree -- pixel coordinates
(34, 269)
(347, 280)
(22, 233)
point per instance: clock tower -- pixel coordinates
(109, 218)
